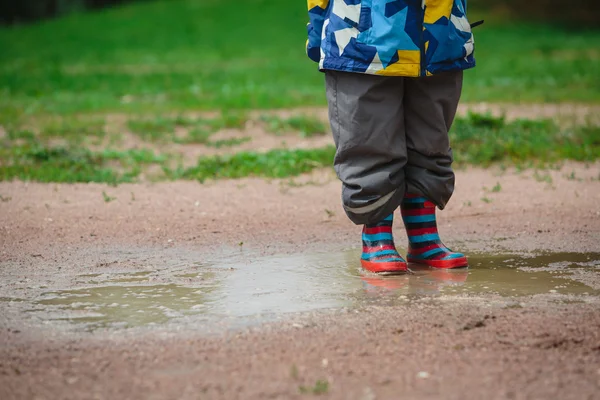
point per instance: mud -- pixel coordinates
(251, 289)
(266, 288)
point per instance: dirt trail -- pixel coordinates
(448, 347)
(454, 351)
(556, 210)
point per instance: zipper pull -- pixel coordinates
(477, 23)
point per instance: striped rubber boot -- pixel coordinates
(379, 253)
(424, 244)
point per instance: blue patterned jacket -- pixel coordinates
(390, 37)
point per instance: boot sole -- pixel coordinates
(442, 264)
(385, 267)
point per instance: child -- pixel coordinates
(393, 72)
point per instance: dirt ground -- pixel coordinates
(451, 348)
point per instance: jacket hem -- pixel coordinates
(381, 72)
(374, 69)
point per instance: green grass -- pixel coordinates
(320, 387)
(198, 135)
(278, 163)
(478, 139)
(162, 128)
(26, 135)
(228, 142)
(107, 198)
(154, 129)
(481, 139)
(36, 162)
(231, 120)
(307, 126)
(74, 129)
(178, 55)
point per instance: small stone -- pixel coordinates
(423, 375)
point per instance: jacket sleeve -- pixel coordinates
(317, 10)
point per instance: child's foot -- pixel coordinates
(424, 244)
(379, 253)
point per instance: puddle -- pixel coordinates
(127, 306)
(192, 275)
(501, 275)
(269, 287)
(11, 300)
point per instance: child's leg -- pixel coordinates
(367, 120)
(430, 107)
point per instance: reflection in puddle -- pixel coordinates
(508, 276)
(273, 286)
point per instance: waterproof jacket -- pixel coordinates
(390, 37)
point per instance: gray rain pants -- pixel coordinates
(391, 137)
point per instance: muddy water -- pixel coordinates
(266, 288)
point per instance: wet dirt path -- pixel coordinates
(251, 289)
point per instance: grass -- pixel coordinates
(231, 120)
(198, 135)
(320, 387)
(107, 198)
(477, 139)
(162, 128)
(278, 163)
(176, 55)
(70, 164)
(481, 139)
(25, 135)
(307, 126)
(203, 136)
(154, 129)
(543, 177)
(228, 142)
(74, 129)
(156, 60)
(573, 177)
